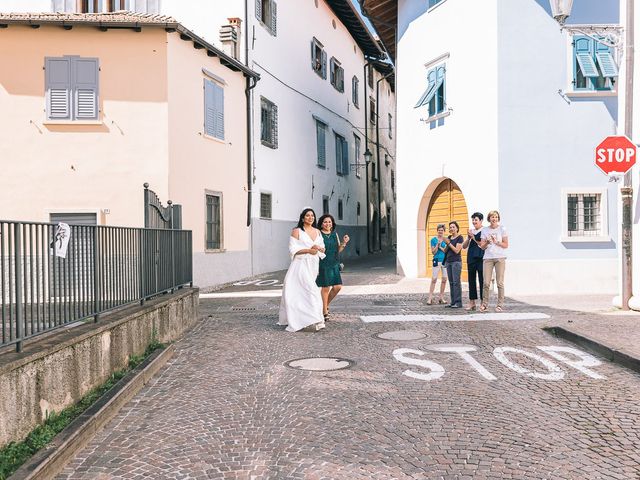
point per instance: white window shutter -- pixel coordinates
(274, 18)
(58, 88)
(85, 88)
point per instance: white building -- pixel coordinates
(311, 117)
(499, 109)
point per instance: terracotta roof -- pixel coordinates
(124, 19)
(122, 16)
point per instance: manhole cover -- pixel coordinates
(320, 364)
(401, 335)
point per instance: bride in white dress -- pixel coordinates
(301, 304)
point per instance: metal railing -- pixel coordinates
(104, 268)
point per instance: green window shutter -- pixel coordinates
(58, 88)
(85, 88)
(430, 91)
(345, 157)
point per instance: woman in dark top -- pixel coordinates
(474, 259)
(453, 261)
(329, 279)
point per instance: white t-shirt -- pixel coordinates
(493, 250)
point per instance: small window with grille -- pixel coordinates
(265, 205)
(268, 123)
(585, 215)
(213, 221)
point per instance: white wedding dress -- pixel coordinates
(301, 303)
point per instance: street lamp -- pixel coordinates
(368, 156)
(561, 9)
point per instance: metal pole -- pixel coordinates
(366, 164)
(96, 274)
(626, 192)
(18, 280)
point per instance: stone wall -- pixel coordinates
(57, 370)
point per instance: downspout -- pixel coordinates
(378, 157)
(366, 149)
(247, 92)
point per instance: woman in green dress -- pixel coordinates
(329, 279)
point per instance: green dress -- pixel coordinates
(329, 273)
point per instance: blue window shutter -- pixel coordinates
(85, 88)
(605, 60)
(218, 102)
(430, 91)
(345, 157)
(584, 56)
(274, 18)
(338, 154)
(209, 108)
(58, 88)
(321, 143)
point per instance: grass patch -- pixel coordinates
(14, 454)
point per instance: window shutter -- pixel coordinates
(209, 109)
(345, 157)
(332, 72)
(313, 56)
(606, 62)
(338, 154)
(218, 102)
(259, 9)
(584, 56)
(324, 64)
(274, 18)
(274, 125)
(58, 88)
(430, 91)
(85, 88)
(321, 143)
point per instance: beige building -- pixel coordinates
(95, 105)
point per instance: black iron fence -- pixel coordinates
(44, 286)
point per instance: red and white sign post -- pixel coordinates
(616, 155)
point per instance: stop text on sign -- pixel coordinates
(570, 357)
(616, 155)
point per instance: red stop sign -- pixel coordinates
(616, 155)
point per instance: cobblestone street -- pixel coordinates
(227, 406)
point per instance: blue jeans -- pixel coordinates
(454, 270)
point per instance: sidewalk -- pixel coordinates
(588, 320)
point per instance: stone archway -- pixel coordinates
(442, 202)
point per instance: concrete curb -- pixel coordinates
(51, 460)
(619, 356)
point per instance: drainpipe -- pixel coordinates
(627, 189)
(366, 149)
(378, 157)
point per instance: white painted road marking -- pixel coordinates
(475, 317)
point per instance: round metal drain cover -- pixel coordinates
(401, 335)
(320, 364)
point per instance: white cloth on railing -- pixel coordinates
(301, 303)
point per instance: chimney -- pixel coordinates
(230, 37)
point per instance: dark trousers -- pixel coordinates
(454, 270)
(475, 268)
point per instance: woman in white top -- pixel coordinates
(301, 303)
(494, 241)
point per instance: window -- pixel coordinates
(584, 215)
(325, 205)
(214, 222)
(356, 161)
(71, 84)
(100, 6)
(355, 85)
(358, 209)
(342, 155)
(372, 110)
(266, 12)
(434, 95)
(213, 109)
(265, 205)
(318, 58)
(370, 76)
(393, 184)
(340, 212)
(321, 142)
(593, 66)
(268, 123)
(337, 75)
(390, 127)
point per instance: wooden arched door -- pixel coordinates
(447, 204)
